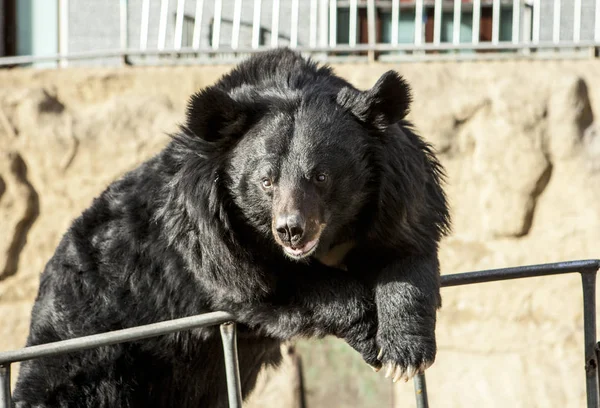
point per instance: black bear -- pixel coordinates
(289, 198)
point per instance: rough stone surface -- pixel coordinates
(521, 151)
(591, 141)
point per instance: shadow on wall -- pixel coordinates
(17, 193)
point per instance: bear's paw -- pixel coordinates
(404, 356)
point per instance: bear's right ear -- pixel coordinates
(385, 104)
(213, 114)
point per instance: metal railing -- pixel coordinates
(228, 336)
(587, 269)
(205, 31)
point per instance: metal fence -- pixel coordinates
(204, 31)
(587, 269)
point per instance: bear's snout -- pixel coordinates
(297, 222)
(290, 228)
(297, 235)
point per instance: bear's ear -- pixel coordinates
(213, 114)
(386, 103)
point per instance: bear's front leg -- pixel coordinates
(407, 294)
(316, 301)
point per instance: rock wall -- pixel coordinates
(522, 152)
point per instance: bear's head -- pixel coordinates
(300, 164)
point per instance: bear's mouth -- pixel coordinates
(302, 251)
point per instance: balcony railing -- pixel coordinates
(205, 31)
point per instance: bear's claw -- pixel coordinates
(398, 372)
(405, 356)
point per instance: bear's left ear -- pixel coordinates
(385, 104)
(213, 115)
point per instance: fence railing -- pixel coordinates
(204, 31)
(587, 269)
(228, 336)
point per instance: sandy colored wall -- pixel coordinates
(523, 158)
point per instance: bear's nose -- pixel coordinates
(290, 228)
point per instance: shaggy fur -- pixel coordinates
(277, 155)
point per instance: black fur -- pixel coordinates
(192, 231)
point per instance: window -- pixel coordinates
(406, 22)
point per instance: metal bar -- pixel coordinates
(179, 24)
(418, 22)
(421, 391)
(205, 56)
(516, 21)
(476, 21)
(332, 23)
(197, 24)
(5, 399)
(395, 21)
(371, 33)
(275, 24)
(340, 48)
(144, 24)
(114, 337)
(556, 23)
(527, 25)
(597, 349)
(63, 31)
(588, 281)
(294, 33)
(577, 21)
(232, 368)
(456, 22)
(597, 21)
(529, 271)
(162, 24)
(323, 23)
(256, 25)
(216, 34)
(237, 19)
(312, 41)
(536, 21)
(495, 21)
(123, 27)
(371, 27)
(437, 22)
(353, 20)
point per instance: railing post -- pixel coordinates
(5, 400)
(588, 280)
(124, 28)
(371, 29)
(232, 368)
(421, 391)
(63, 32)
(598, 374)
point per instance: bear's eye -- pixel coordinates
(321, 178)
(266, 183)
